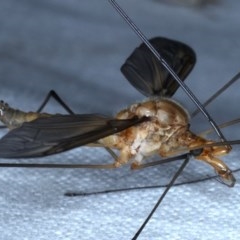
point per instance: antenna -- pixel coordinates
(168, 68)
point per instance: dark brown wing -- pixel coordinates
(143, 70)
(45, 136)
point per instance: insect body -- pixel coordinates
(165, 132)
(158, 125)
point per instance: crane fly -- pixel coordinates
(156, 126)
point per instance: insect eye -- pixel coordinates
(196, 152)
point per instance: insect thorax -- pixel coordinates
(169, 120)
(164, 110)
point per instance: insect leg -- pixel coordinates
(136, 166)
(185, 162)
(54, 95)
(52, 165)
(222, 125)
(215, 95)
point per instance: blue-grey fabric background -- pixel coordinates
(76, 48)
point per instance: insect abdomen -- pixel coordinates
(14, 118)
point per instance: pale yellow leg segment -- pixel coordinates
(123, 157)
(220, 167)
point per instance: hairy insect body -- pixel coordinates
(166, 134)
(14, 118)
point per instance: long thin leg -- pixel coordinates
(50, 165)
(222, 125)
(216, 94)
(159, 162)
(54, 95)
(162, 197)
(137, 167)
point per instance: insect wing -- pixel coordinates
(58, 133)
(144, 71)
